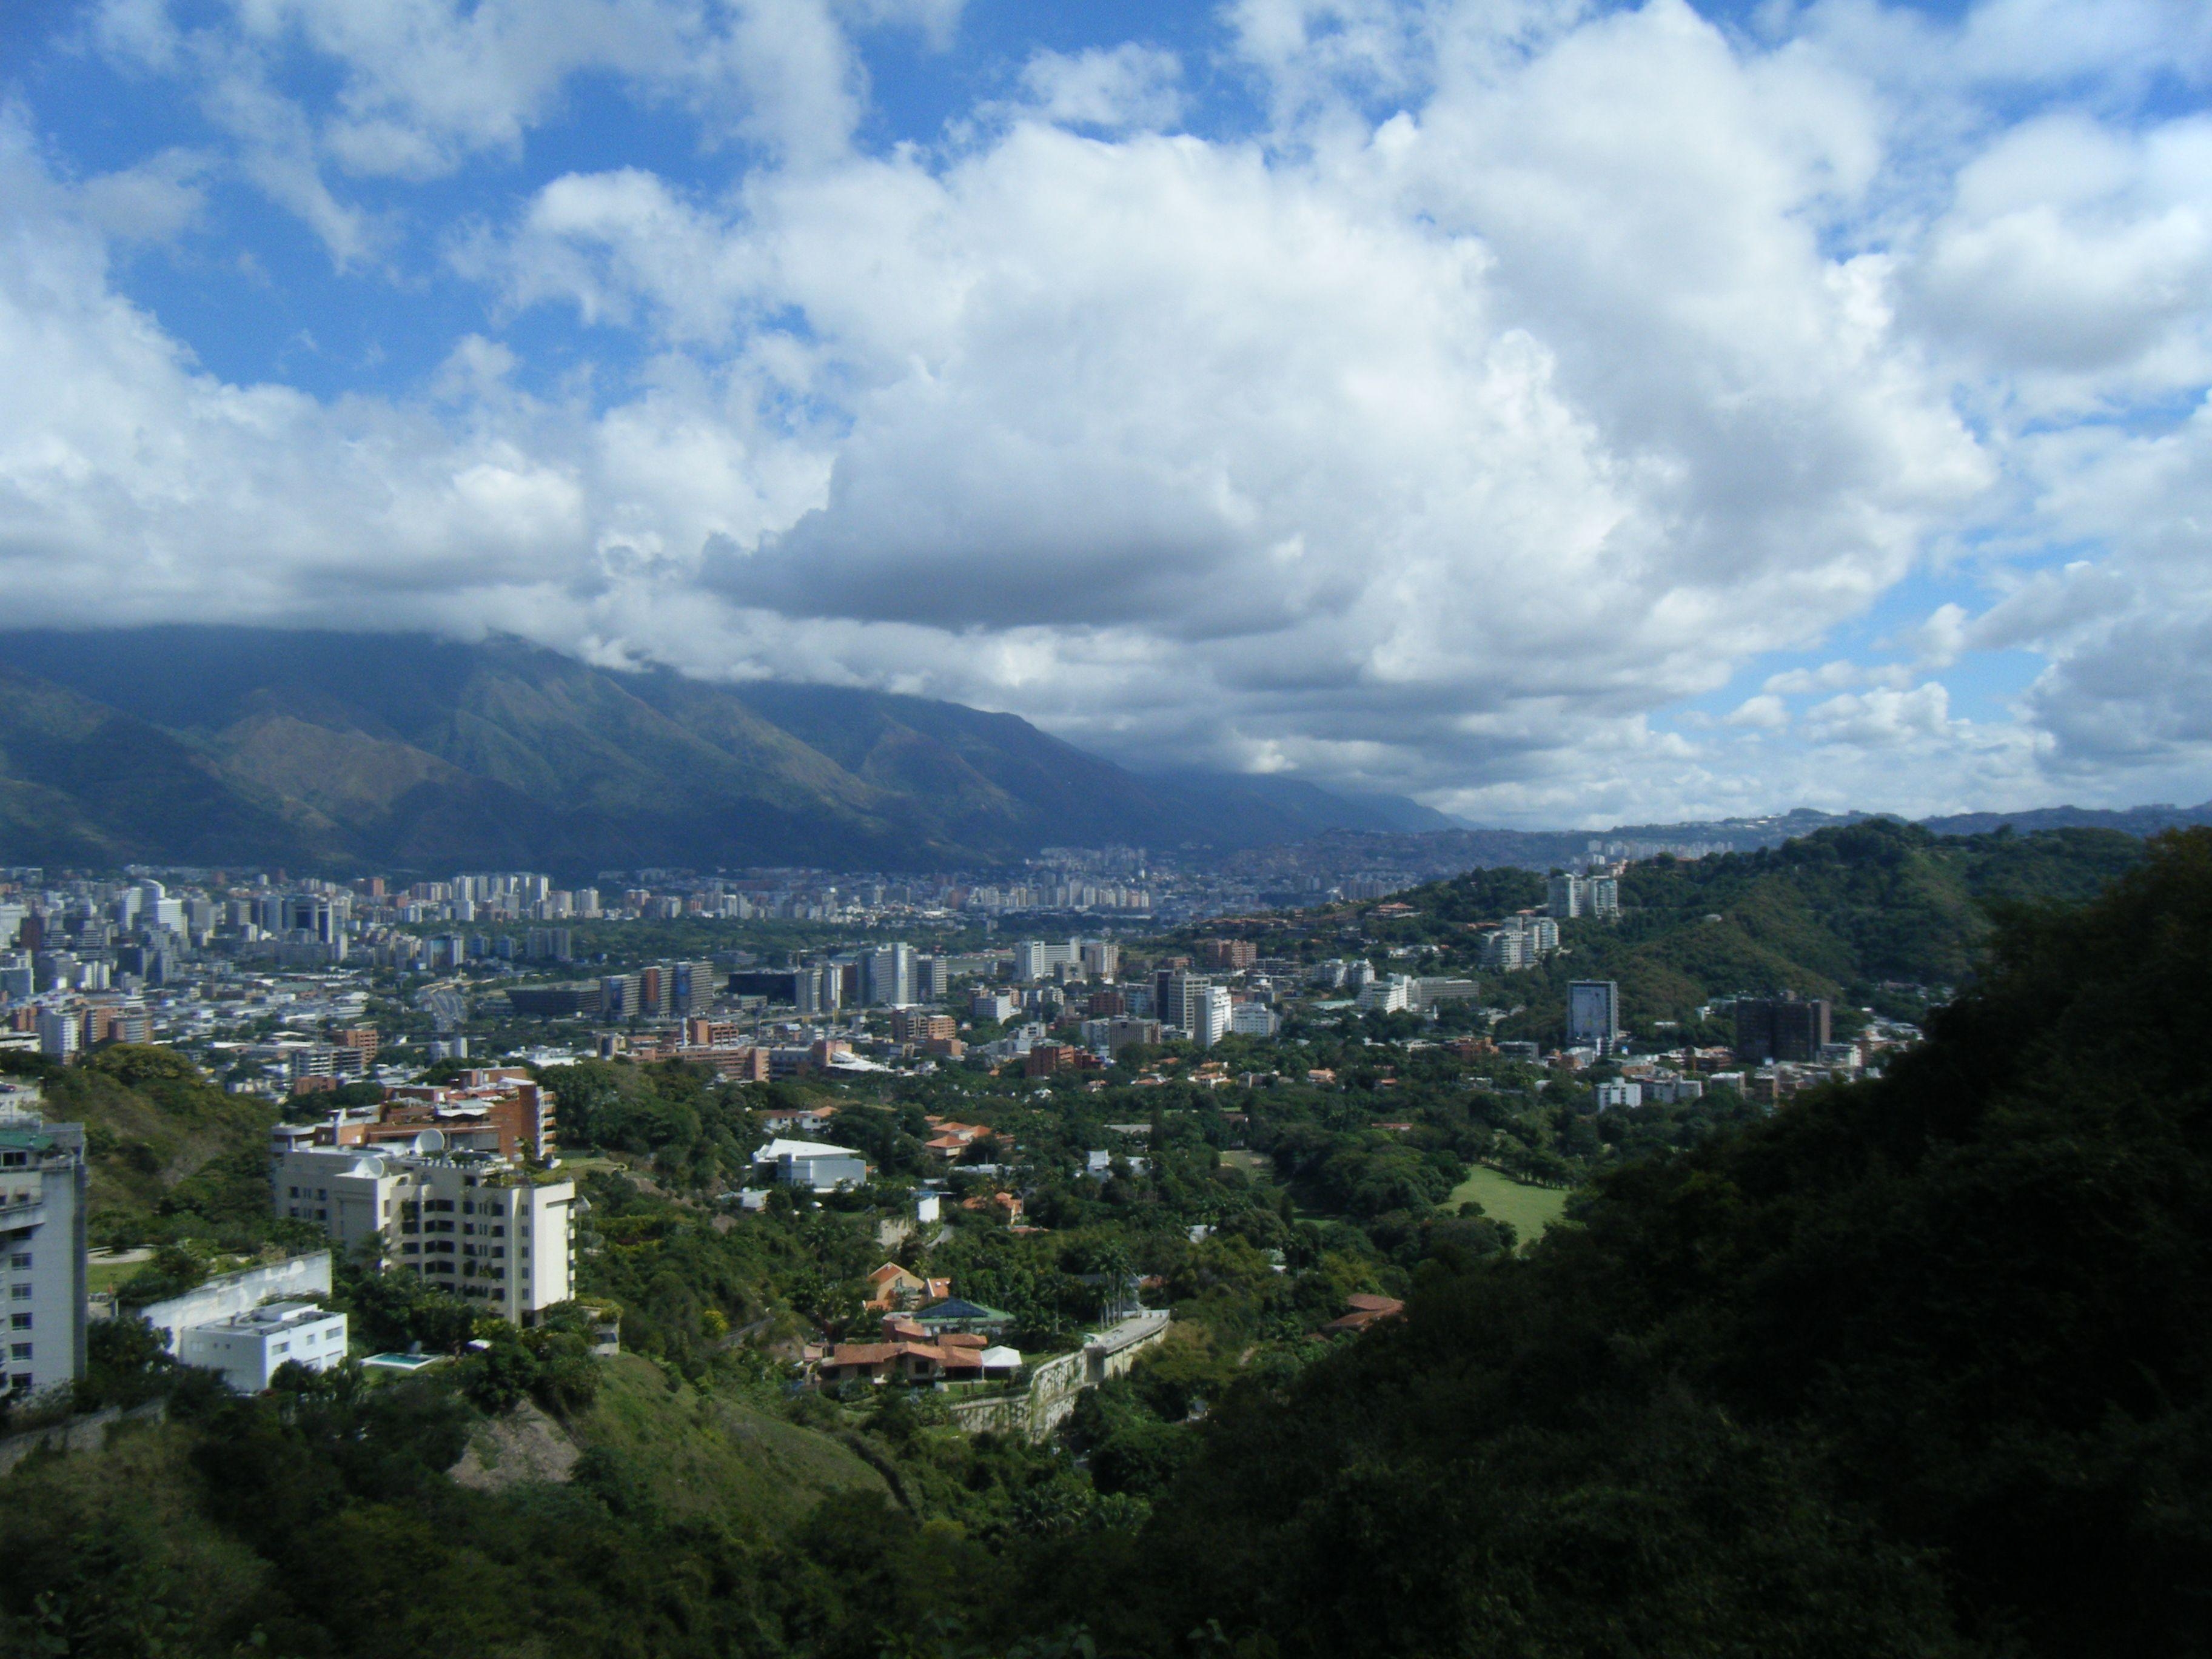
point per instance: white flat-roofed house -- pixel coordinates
(247, 1348)
(814, 1165)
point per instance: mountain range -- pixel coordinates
(328, 751)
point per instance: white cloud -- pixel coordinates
(1113, 89)
(1767, 712)
(1538, 365)
(1881, 717)
(156, 200)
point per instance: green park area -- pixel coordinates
(1530, 1209)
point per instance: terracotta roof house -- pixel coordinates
(1363, 1310)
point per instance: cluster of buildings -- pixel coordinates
(453, 1183)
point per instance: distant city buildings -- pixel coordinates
(1572, 896)
(1785, 1028)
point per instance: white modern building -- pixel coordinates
(1390, 995)
(1617, 1094)
(474, 1225)
(1253, 1020)
(42, 1252)
(813, 1165)
(248, 1348)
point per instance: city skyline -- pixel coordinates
(1562, 414)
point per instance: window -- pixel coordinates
(411, 1247)
(15, 1160)
(295, 1192)
(19, 1351)
(19, 1321)
(280, 1347)
(21, 1380)
(21, 1263)
(21, 1293)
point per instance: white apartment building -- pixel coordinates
(475, 1225)
(1390, 995)
(247, 1348)
(1616, 1096)
(1253, 1020)
(42, 1245)
(1211, 1009)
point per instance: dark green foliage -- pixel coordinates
(1918, 1366)
(697, 1129)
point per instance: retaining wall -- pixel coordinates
(1055, 1384)
(85, 1433)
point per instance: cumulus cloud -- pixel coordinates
(1112, 88)
(1535, 367)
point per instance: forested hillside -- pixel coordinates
(174, 1158)
(1920, 1366)
(1875, 914)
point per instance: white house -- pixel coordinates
(248, 1348)
(814, 1165)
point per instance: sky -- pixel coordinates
(1563, 413)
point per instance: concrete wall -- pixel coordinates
(230, 1294)
(85, 1433)
(1055, 1384)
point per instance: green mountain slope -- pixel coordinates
(1917, 1367)
(1834, 914)
(226, 745)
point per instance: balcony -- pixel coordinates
(21, 1209)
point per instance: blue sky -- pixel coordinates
(1562, 412)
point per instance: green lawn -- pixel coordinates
(1530, 1209)
(105, 1275)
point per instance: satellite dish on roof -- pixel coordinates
(430, 1140)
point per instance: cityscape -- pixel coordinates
(1280, 829)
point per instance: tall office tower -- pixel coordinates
(691, 987)
(887, 976)
(619, 996)
(1593, 1014)
(1569, 896)
(42, 1251)
(932, 978)
(1785, 1028)
(1102, 959)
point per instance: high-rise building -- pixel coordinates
(480, 1227)
(1593, 1014)
(42, 1251)
(1212, 1011)
(932, 978)
(1102, 959)
(1568, 897)
(60, 1031)
(619, 997)
(692, 988)
(887, 976)
(1785, 1028)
